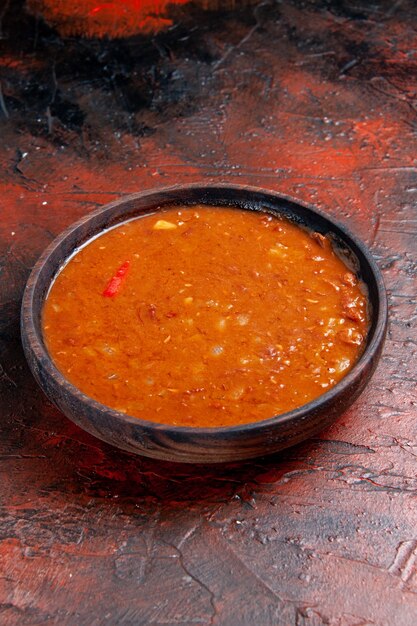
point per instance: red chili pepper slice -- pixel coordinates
(115, 282)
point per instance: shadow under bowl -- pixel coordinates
(186, 444)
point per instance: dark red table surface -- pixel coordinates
(314, 99)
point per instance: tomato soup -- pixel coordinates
(205, 316)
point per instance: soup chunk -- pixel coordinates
(205, 316)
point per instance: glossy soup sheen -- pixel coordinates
(205, 316)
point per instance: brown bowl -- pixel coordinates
(186, 444)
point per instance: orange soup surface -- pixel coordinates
(205, 316)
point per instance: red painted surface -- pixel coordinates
(323, 534)
(91, 18)
(117, 18)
